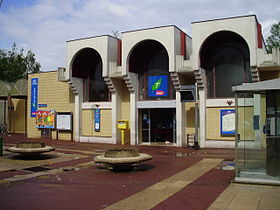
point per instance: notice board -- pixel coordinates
(64, 121)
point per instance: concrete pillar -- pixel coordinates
(77, 118)
(202, 118)
(116, 115)
(78, 83)
(133, 117)
(180, 121)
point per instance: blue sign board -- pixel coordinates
(97, 120)
(42, 105)
(227, 120)
(158, 86)
(34, 96)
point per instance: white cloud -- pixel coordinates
(46, 25)
(266, 25)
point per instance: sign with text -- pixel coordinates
(34, 97)
(227, 118)
(158, 86)
(64, 121)
(45, 119)
(97, 120)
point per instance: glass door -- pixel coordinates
(157, 126)
(145, 125)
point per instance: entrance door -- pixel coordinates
(157, 126)
(272, 130)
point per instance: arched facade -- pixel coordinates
(139, 79)
(149, 61)
(87, 65)
(225, 57)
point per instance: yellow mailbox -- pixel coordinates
(122, 125)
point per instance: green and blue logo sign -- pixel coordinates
(158, 86)
(34, 96)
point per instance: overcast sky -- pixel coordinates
(44, 26)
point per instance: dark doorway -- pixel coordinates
(157, 126)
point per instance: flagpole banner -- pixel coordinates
(158, 86)
(34, 97)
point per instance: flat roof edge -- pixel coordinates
(91, 37)
(225, 18)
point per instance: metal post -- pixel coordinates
(122, 132)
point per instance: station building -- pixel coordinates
(141, 79)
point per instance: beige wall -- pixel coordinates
(56, 94)
(213, 125)
(190, 121)
(105, 123)
(18, 116)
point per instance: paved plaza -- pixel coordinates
(176, 178)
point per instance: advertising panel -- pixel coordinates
(45, 119)
(34, 96)
(158, 86)
(227, 118)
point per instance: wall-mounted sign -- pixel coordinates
(97, 120)
(42, 105)
(45, 119)
(158, 86)
(34, 97)
(64, 120)
(227, 118)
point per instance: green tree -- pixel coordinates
(14, 65)
(274, 39)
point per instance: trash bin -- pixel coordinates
(1, 146)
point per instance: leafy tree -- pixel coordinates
(274, 39)
(14, 65)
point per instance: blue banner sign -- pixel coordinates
(34, 96)
(158, 86)
(227, 117)
(97, 120)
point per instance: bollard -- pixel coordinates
(1, 146)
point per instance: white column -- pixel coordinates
(180, 121)
(78, 83)
(77, 118)
(114, 117)
(133, 118)
(202, 118)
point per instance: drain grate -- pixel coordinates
(37, 169)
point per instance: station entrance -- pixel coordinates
(157, 126)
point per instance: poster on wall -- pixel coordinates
(97, 120)
(45, 119)
(158, 86)
(227, 118)
(34, 97)
(64, 120)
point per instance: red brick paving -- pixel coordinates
(95, 188)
